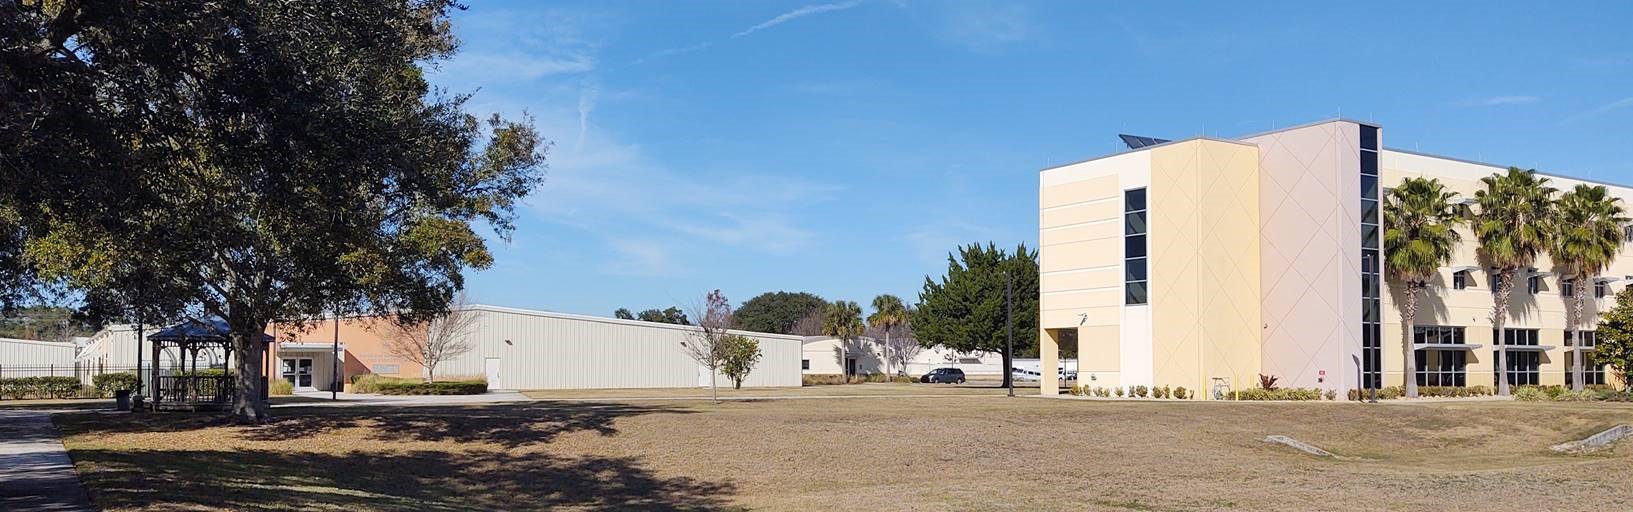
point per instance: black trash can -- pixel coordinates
(122, 399)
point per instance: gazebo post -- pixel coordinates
(154, 381)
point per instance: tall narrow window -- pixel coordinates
(1460, 280)
(1371, 302)
(1567, 287)
(1136, 285)
(1600, 289)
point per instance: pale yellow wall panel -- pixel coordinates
(1106, 277)
(1079, 299)
(1102, 187)
(1079, 255)
(1081, 213)
(1109, 232)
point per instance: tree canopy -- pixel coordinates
(776, 312)
(964, 311)
(254, 161)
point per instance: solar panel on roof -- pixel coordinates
(1137, 142)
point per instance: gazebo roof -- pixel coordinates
(214, 329)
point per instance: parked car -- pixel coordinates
(944, 375)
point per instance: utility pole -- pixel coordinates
(1009, 335)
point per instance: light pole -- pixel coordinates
(1009, 334)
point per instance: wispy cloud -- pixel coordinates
(1601, 110)
(780, 19)
(670, 52)
(1497, 101)
(797, 14)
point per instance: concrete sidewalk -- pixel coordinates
(321, 399)
(35, 471)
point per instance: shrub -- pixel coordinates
(1162, 392)
(1330, 395)
(834, 379)
(280, 387)
(370, 383)
(1119, 392)
(39, 387)
(1277, 394)
(1585, 395)
(1182, 393)
(1267, 382)
(1101, 392)
(1076, 390)
(463, 387)
(1140, 391)
(106, 384)
(1530, 394)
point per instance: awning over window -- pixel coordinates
(1526, 348)
(1445, 346)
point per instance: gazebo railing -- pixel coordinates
(194, 391)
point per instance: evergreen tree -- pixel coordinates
(965, 310)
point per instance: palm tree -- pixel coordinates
(1420, 235)
(1587, 236)
(888, 314)
(1512, 226)
(844, 321)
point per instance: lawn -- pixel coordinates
(962, 452)
(869, 389)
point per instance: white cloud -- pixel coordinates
(780, 19)
(797, 14)
(1601, 110)
(980, 25)
(638, 257)
(1496, 101)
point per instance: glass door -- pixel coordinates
(298, 371)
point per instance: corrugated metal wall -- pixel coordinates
(20, 353)
(538, 350)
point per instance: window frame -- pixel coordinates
(1143, 238)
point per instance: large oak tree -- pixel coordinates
(256, 161)
(965, 311)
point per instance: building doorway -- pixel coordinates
(298, 371)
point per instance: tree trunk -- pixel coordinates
(887, 354)
(1408, 324)
(714, 393)
(248, 406)
(1499, 314)
(1009, 369)
(1576, 355)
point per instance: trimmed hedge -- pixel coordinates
(1276, 394)
(463, 387)
(39, 387)
(106, 384)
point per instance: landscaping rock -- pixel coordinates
(1298, 445)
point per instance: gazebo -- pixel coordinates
(183, 387)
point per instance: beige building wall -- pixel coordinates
(1080, 251)
(1471, 308)
(1204, 269)
(1309, 205)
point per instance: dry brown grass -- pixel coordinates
(966, 453)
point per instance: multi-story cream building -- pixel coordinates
(1206, 262)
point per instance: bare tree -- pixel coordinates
(708, 344)
(430, 342)
(905, 347)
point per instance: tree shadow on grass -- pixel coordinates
(423, 480)
(509, 425)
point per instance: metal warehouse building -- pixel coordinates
(526, 349)
(29, 358)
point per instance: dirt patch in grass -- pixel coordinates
(972, 452)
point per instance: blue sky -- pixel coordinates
(844, 148)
